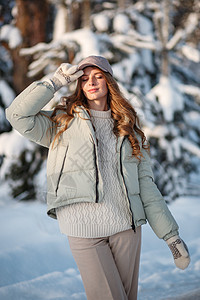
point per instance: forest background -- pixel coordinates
(154, 49)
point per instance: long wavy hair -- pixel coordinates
(126, 121)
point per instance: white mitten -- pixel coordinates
(179, 251)
(64, 75)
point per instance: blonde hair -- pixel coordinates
(126, 121)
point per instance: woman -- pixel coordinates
(99, 177)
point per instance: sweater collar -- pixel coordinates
(84, 114)
(101, 113)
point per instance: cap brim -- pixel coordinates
(83, 66)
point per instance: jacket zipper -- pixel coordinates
(133, 224)
(96, 169)
(95, 158)
(97, 176)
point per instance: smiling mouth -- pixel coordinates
(93, 90)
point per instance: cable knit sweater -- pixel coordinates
(91, 220)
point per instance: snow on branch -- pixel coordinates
(191, 53)
(11, 35)
(119, 44)
(179, 34)
(59, 51)
(157, 131)
(191, 90)
(140, 37)
(169, 97)
(144, 5)
(131, 41)
(52, 57)
(182, 34)
(40, 47)
(187, 145)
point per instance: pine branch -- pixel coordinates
(182, 34)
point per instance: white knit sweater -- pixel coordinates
(91, 220)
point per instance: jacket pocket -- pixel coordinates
(138, 210)
(130, 172)
(61, 156)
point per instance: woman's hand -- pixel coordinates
(64, 75)
(179, 251)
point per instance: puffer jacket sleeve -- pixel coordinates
(156, 209)
(26, 116)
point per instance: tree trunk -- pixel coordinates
(123, 4)
(76, 11)
(31, 21)
(86, 13)
(165, 37)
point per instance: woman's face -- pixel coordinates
(94, 85)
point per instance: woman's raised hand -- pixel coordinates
(64, 75)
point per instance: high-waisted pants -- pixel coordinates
(109, 266)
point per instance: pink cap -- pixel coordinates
(97, 61)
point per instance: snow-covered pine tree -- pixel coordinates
(172, 134)
(19, 161)
(6, 65)
(154, 55)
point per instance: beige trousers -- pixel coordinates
(109, 266)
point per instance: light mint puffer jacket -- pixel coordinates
(73, 168)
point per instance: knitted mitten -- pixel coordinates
(179, 251)
(64, 75)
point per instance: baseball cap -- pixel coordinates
(97, 61)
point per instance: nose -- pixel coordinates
(91, 80)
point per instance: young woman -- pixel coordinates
(99, 176)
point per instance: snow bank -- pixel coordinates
(36, 262)
(159, 278)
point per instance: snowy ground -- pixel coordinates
(36, 263)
